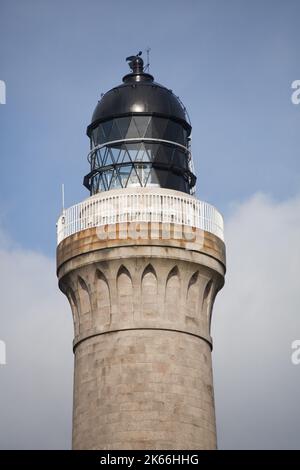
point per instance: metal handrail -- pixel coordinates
(102, 209)
(137, 139)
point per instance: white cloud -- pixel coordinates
(256, 318)
(36, 325)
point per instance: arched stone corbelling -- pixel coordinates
(206, 302)
(70, 281)
(207, 292)
(83, 287)
(173, 272)
(149, 269)
(104, 267)
(100, 276)
(125, 294)
(192, 281)
(213, 293)
(149, 290)
(74, 307)
(123, 270)
(82, 283)
(192, 296)
(173, 295)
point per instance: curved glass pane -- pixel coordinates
(124, 163)
(139, 127)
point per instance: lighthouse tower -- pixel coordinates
(141, 261)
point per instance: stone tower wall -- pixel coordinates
(142, 345)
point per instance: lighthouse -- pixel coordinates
(141, 260)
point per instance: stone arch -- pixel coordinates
(172, 294)
(192, 297)
(208, 301)
(74, 307)
(125, 293)
(85, 304)
(207, 292)
(149, 292)
(103, 305)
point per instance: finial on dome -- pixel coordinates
(136, 63)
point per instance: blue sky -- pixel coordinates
(231, 63)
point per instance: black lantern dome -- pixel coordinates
(139, 136)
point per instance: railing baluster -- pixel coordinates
(149, 207)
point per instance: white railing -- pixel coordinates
(154, 206)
